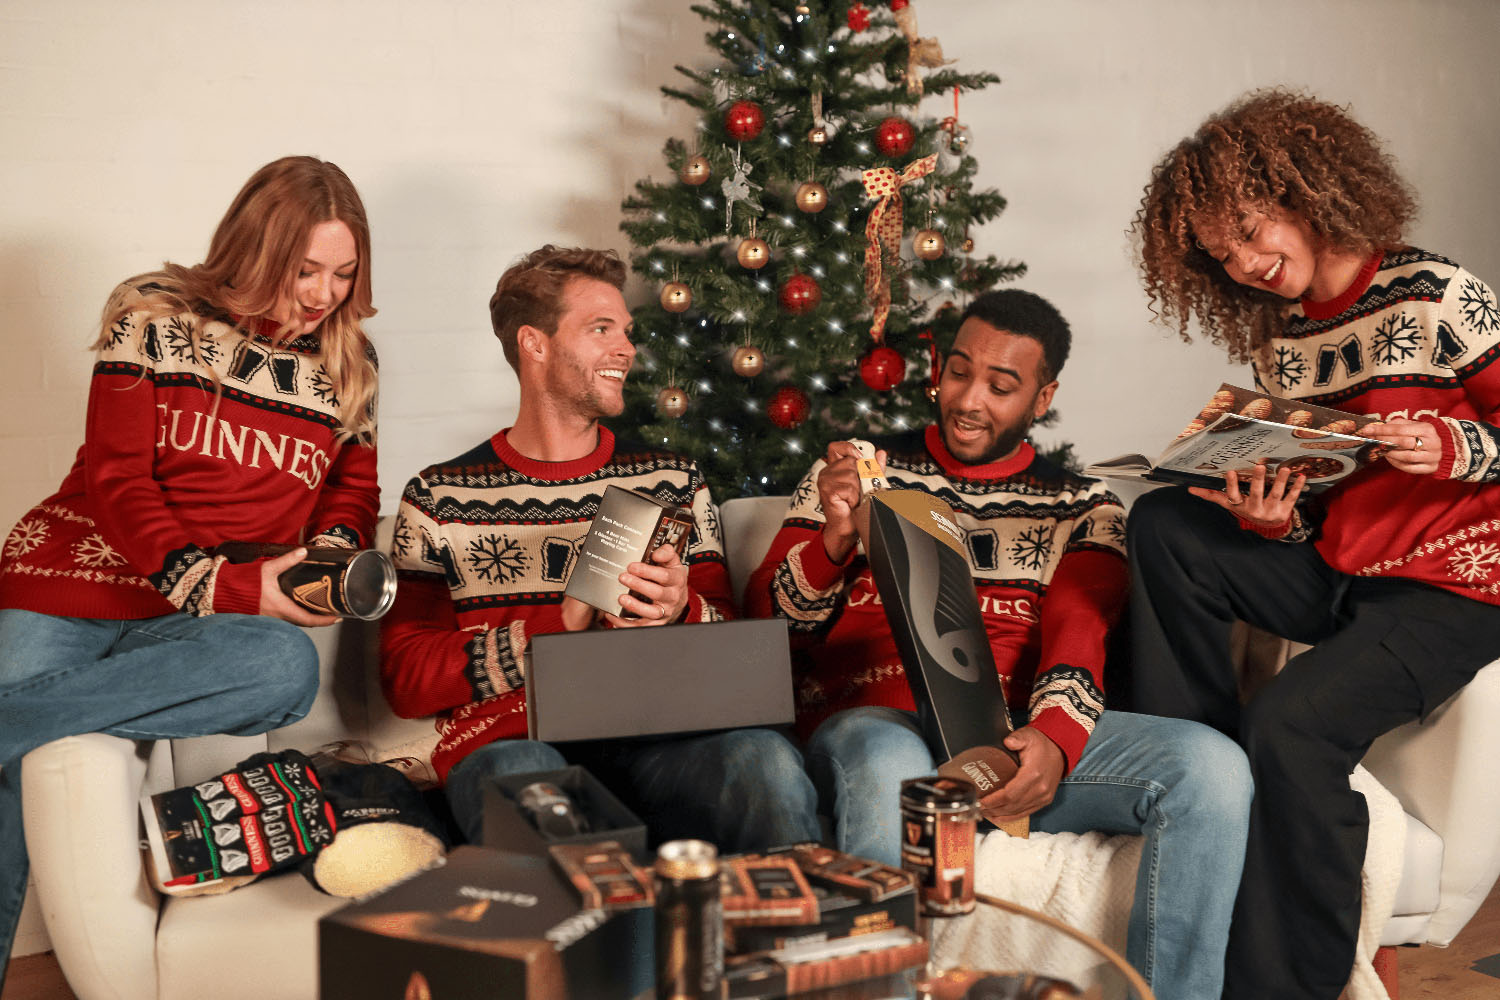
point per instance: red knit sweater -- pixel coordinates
(1415, 337)
(1046, 549)
(484, 544)
(168, 470)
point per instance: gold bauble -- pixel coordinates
(695, 171)
(671, 402)
(804, 9)
(753, 253)
(676, 297)
(932, 393)
(928, 244)
(818, 135)
(812, 197)
(748, 360)
(967, 246)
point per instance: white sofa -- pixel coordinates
(116, 938)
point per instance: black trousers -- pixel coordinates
(1386, 651)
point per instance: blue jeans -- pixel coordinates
(1182, 786)
(154, 678)
(742, 789)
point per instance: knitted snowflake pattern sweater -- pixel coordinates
(1046, 549)
(483, 545)
(1415, 337)
(197, 433)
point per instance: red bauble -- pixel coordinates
(899, 4)
(800, 294)
(883, 368)
(744, 120)
(788, 407)
(895, 136)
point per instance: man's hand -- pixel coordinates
(576, 615)
(275, 604)
(838, 492)
(663, 582)
(1269, 505)
(1034, 785)
(1415, 445)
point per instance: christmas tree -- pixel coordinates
(813, 250)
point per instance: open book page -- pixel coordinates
(1239, 428)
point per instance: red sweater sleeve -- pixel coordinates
(349, 501)
(428, 664)
(1083, 601)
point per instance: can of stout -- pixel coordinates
(939, 819)
(689, 922)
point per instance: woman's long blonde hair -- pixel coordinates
(252, 264)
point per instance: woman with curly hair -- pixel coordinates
(1278, 228)
(231, 400)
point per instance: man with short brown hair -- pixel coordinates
(484, 544)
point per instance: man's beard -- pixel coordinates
(1006, 443)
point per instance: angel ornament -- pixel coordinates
(739, 187)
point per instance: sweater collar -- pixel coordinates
(1329, 308)
(1002, 469)
(555, 471)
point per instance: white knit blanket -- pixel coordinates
(1088, 881)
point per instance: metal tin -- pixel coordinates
(348, 583)
(939, 820)
(689, 922)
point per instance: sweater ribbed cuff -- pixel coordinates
(237, 588)
(818, 570)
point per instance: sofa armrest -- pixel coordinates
(81, 802)
(1442, 771)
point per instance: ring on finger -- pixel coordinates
(1417, 446)
(1235, 503)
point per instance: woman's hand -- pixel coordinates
(275, 604)
(1268, 505)
(1415, 445)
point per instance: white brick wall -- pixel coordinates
(478, 129)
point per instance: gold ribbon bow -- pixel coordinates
(883, 232)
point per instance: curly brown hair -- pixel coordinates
(1271, 150)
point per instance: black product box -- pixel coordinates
(486, 924)
(507, 828)
(840, 915)
(921, 570)
(627, 528)
(609, 683)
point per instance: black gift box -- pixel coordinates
(507, 828)
(921, 570)
(486, 924)
(627, 528)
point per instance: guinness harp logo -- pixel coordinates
(913, 832)
(417, 988)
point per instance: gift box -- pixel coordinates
(485, 924)
(508, 827)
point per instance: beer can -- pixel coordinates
(348, 583)
(939, 820)
(689, 922)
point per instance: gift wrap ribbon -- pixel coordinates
(883, 231)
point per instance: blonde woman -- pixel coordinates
(232, 400)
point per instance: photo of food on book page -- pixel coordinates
(1239, 428)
